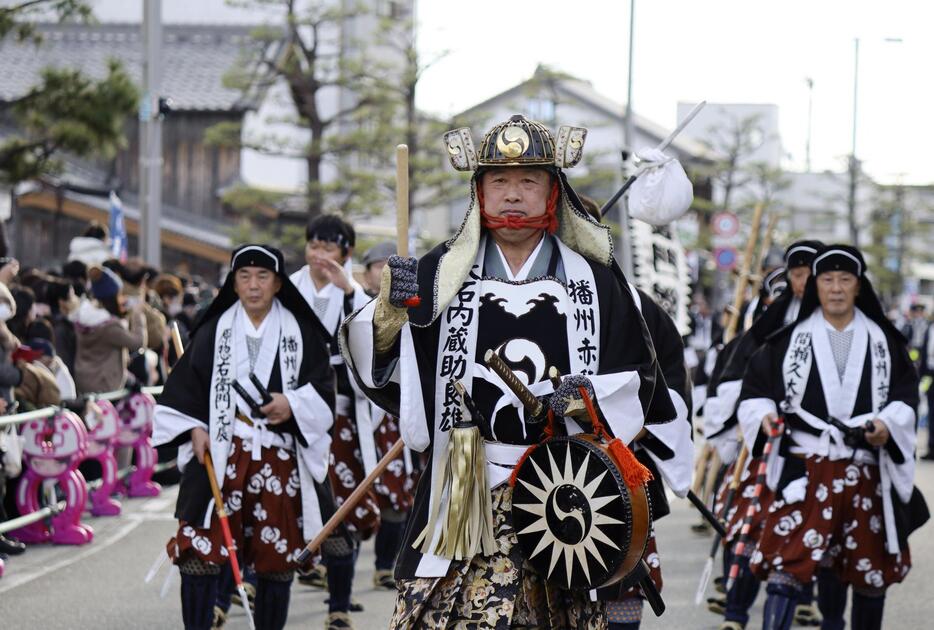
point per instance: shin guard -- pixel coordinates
(779, 606)
(199, 592)
(741, 597)
(388, 542)
(831, 599)
(867, 611)
(271, 603)
(340, 582)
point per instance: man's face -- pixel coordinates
(837, 291)
(798, 278)
(517, 192)
(317, 253)
(256, 287)
(373, 275)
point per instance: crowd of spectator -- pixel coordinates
(95, 324)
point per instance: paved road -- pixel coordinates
(101, 584)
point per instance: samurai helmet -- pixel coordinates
(516, 142)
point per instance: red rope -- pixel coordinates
(634, 472)
(547, 221)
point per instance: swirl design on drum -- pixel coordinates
(570, 514)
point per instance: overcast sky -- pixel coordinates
(741, 51)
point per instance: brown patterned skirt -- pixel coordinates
(263, 500)
(346, 472)
(498, 591)
(395, 486)
(737, 513)
(838, 524)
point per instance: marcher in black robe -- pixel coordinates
(272, 465)
(777, 305)
(846, 390)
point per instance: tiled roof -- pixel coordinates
(195, 59)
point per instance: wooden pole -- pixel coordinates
(766, 242)
(347, 506)
(402, 200)
(743, 280)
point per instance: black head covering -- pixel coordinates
(844, 258)
(774, 298)
(801, 253)
(266, 257)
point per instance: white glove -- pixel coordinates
(662, 193)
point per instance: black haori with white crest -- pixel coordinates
(573, 514)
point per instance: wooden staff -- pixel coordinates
(402, 200)
(228, 538)
(347, 506)
(754, 503)
(402, 210)
(402, 248)
(177, 341)
(743, 280)
(767, 241)
(727, 504)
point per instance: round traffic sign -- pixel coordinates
(725, 224)
(725, 257)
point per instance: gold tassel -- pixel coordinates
(467, 517)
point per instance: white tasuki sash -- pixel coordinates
(809, 339)
(231, 363)
(810, 343)
(457, 346)
(331, 318)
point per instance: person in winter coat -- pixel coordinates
(37, 387)
(9, 378)
(41, 338)
(104, 337)
(63, 302)
(92, 247)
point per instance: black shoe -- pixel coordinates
(929, 456)
(355, 606)
(11, 547)
(316, 577)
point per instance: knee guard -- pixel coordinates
(193, 565)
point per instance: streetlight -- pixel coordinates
(853, 166)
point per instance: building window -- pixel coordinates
(541, 109)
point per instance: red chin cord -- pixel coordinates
(547, 221)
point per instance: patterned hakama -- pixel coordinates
(497, 591)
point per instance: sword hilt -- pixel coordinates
(263, 392)
(245, 395)
(529, 400)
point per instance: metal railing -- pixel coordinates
(47, 412)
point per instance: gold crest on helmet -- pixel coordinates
(512, 141)
(516, 142)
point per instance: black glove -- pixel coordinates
(568, 397)
(403, 282)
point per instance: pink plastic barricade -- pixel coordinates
(53, 448)
(136, 413)
(103, 423)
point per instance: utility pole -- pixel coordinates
(807, 145)
(629, 139)
(853, 162)
(150, 136)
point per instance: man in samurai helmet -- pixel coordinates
(530, 277)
